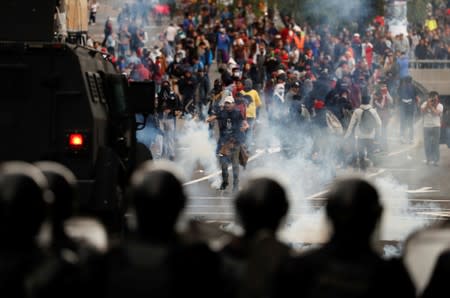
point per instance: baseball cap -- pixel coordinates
(228, 99)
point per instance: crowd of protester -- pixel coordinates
(296, 75)
(46, 252)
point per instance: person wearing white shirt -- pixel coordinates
(432, 112)
(93, 7)
(171, 33)
(364, 139)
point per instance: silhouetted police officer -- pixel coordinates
(438, 285)
(72, 267)
(255, 256)
(154, 261)
(347, 266)
(23, 200)
(63, 185)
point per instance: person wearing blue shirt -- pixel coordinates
(223, 46)
(403, 65)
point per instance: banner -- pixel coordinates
(77, 15)
(396, 17)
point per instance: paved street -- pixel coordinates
(414, 194)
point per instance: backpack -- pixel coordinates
(333, 123)
(243, 156)
(368, 121)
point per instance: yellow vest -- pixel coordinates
(431, 24)
(256, 102)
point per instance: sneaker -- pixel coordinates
(368, 163)
(435, 163)
(223, 186)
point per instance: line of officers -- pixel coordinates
(48, 249)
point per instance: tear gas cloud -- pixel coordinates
(397, 222)
(197, 150)
(342, 11)
(295, 169)
(302, 176)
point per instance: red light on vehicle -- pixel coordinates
(57, 45)
(76, 140)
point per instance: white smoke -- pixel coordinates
(302, 176)
(342, 11)
(392, 251)
(398, 220)
(397, 223)
(197, 151)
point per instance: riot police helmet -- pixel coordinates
(157, 197)
(24, 199)
(63, 184)
(354, 208)
(261, 205)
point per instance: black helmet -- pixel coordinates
(261, 204)
(23, 201)
(63, 185)
(157, 197)
(353, 208)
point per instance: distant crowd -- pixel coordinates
(298, 76)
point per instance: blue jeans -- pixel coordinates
(168, 127)
(407, 121)
(365, 150)
(249, 132)
(225, 160)
(431, 138)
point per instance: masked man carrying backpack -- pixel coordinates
(364, 125)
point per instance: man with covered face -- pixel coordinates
(168, 107)
(231, 127)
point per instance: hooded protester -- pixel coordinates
(278, 110)
(364, 128)
(168, 107)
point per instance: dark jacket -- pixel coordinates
(337, 271)
(168, 100)
(230, 123)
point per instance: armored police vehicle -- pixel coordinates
(67, 103)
